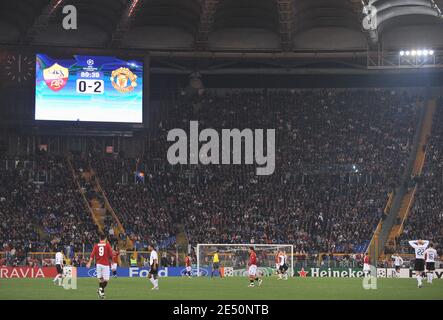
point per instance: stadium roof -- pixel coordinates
(223, 25)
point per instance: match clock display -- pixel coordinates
(19, 68)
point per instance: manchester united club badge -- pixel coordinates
(56, 77)
(123, 80)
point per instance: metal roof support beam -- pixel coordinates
(395, 12)
(357, 6)
(207, 17)
(125, 22)
(286, 18)
(42, 20)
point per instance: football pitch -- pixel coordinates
(235, 288)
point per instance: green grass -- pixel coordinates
(220, 289)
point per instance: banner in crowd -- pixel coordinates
(134, 272)
(329, 272)
(27, 272)
(357, 273)
(142, 272)
(408, 273)
(264, 271)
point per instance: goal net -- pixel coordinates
(233, 258)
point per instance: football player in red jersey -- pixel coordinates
(115, 257)
(102, 253)
(188, 265)
(366, 265)
(252, 268)
(277, 263)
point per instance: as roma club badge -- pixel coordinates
(123, 80)
(56, 77)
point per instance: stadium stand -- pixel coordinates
(327, 194)
(335, 129)
(331, 177)
(41, 208)
(425, 219)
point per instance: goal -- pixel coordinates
(234, 257)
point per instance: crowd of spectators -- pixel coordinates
(338, 155)
(40, 207)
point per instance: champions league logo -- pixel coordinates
(92, 272)
(195, 272)
(90, 67)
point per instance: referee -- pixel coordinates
(216, 265)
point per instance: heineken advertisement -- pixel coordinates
(357, 273)
(329, 272)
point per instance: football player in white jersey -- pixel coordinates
(283, 267)
(59, 266)
(419, 247)
(398, 262)
(153, 262)
(430, 256)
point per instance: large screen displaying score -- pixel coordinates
(88, 88)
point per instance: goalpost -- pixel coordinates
(234, 257)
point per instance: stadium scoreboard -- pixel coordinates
(88, 88)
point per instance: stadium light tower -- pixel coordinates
(404, 58)
(416, 57)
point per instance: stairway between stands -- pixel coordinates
(102, 212)
(182, 240)
(97, 219)
(125, 243)
(400, 203)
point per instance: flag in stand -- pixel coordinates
(140, 177)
